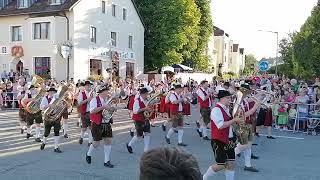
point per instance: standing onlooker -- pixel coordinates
(4, 75)
(11, 75)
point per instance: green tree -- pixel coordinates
(250, 64)
(200, 59)
(171, 31)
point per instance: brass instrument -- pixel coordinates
(108, 114)
(58, 106)
(242, 130)
(34, 106)
(154, 99)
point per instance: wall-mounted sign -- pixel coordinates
(116, 55)
(17, 51)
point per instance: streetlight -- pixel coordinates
(277, 33)
(66, 53)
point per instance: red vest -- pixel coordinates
(203, 104)
(221, 134)
(247, 107)
(20, 104)
(139, 117)
(83, 107)
(48, 99)
(174, 108)
(97, 117)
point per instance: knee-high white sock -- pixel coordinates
(107, 151)
(200, 129)
(133, 140)
(37, 132)
(165, 123)
(89, 135)
(170, 132)
(28, 130)
(133, 129)
(237, 150)
(82, 133)
(180, 135)
(204, 131)
(208, 174)
(229, 175)
(65, 128)
(44, 140)
(247, 157)
(56, 141)
(90, 151)
(146, 141)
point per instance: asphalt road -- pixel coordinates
(289, 157)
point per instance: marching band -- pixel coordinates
(173, 102)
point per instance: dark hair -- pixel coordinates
(169, 164)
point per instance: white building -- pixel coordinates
(104, 34)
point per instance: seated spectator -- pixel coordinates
(169, 164)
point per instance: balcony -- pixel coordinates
(25, 3)
(4, 3)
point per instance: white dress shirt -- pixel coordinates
(173, 97)
(44, 102)
(136, 105)
(94, 105)
(80, 99)
(217, 117)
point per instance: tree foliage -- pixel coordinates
(200, 58)
(172, 31)
(250, 64)
(301, 52)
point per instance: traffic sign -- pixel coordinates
(263, 66)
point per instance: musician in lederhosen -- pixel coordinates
(46, 102)
(101, 130)
(167, 105)
(204, 99)
(222, 138)
(22, 112)
(32, 118)
(248, 115)
(141, 124)
(176, 113)
(84, 98)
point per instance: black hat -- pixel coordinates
(227, 84)
(247, 86)
(223, 93)
(52, 89)
(177, 86)
(143, 90)
(103, 88)
(31, 86)
(82, 84)
(204, 81)
(87, 83)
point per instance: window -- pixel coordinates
(42, 66)
(56, 2)
(124, 14)
(41, 30)
(103, 6)
(22, 3)
(4, 50)
(95, 67)
(130, 42)
(129, 70)
(114, 10)
(16, 33)
(113, 38)
(93, 34)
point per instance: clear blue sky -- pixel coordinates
(243, 18)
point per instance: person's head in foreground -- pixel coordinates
(165, 163)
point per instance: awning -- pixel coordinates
(183, 67)
(167, 69)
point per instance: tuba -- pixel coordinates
(108, 114)
(154, 99)
(58, 106)
(242, 130)
(34, 106)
